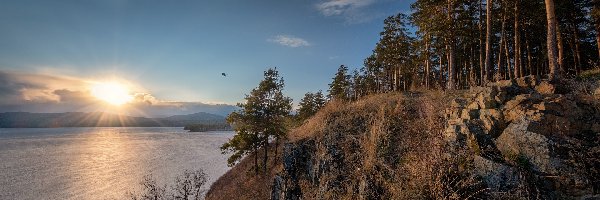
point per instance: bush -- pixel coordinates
(186, 186)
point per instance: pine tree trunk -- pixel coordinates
(488, 42)
(481, 61)
(559, 43)
(450, 67)
(577, 52)
(518, 66)
(596, 19)
(572, 48)
(266, 155)
(255, 160)
(509, 73)
(551, 41)
(426, 62)
(276, 148)
(441, 70)
(531, 72)
(450, 46)
(598, 37)
(395, 88)
(502, 44)
(465, 73)
(507, 54)
(472, 79)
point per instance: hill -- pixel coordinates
(100, 119)
(521, 139)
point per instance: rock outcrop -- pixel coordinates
(526, 138)
(532, 127)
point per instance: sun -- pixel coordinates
(111, 92)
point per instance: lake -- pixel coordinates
(101, 163)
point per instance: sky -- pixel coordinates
(175, 51)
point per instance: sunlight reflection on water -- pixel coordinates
(101, 163)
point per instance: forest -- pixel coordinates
(458, 44)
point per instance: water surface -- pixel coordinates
(101, 163)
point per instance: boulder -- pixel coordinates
(473, 106)
(492, 121)
(497, 176)
(545, 88)
(516, 101)
(455, 133)
(520, 106)
(277, 190)
(517, 142)
(486, 100)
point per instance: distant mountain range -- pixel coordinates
(101, 119)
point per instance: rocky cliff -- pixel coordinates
(525, 138)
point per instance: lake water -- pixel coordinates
(101, 163)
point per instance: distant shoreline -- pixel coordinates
(63, 120)
(98, 127)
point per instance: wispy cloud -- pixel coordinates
(353, 11)
(339, 7)
(290, 41)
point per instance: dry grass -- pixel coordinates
(389, 142)
(240, 182)
(590, 74)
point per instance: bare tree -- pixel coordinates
(186, 187)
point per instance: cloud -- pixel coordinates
(352, 11)
(29, 92)
(339, 7)
(290, 41)
(18, 87)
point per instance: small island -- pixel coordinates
(207, 127)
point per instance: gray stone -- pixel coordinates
(497, 176)
(492, 121)
(517, 141)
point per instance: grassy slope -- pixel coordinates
(241, 183)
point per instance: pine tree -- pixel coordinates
(394, 51)
(310, 104)
(261, 118)
(339, 89)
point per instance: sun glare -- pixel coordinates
(112, 92)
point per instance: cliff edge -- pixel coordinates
(526, 138)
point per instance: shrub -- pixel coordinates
(187, 186)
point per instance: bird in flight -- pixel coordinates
(224, 74)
